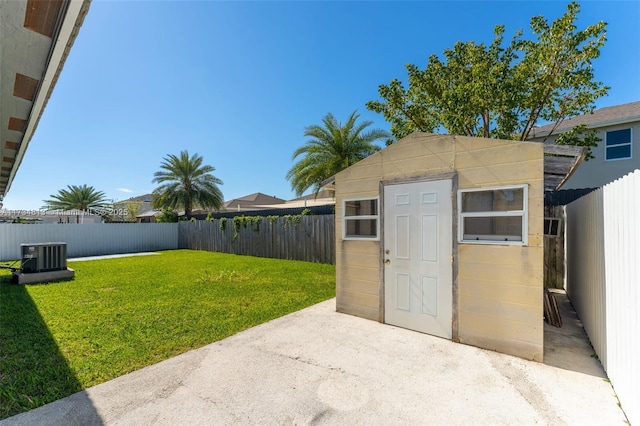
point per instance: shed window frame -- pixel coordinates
(487, 239)
(618, 145)
(346, 218)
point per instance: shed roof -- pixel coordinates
(560, 162)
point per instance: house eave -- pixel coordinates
(590, 126)
(69, 21)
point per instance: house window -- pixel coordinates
(618, 144)
(495, 215)
(360, 219)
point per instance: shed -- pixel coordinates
(443, 234)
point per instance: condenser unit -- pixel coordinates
(43, 257)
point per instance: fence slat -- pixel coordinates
(311, 240)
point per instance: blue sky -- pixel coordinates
(237, 82)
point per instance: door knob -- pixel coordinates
(387, 262)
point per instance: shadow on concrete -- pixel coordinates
(33, 372)
(568, 347)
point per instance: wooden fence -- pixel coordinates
(554, 250)
(603, 248)
(311, 240)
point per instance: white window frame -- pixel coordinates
(511, 213)
(346, 218)
(606, 135)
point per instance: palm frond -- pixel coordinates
(186, 183)
(330, 149)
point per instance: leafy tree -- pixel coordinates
(332, 148)
(501, 91)
(84, 198)
(167, 216)
(132, 209)
(186, 183)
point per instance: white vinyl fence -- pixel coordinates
(90, 239)
(603, 280)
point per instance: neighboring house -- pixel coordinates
(324, 197)
(147, 217)
(141, 204)
(616, 155)
(256, 202)
(273, 204)
(70, 217)
(443, 234)
(250, 202)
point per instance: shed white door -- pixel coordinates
(417, 256)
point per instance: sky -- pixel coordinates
(238, 82)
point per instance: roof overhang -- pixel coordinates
(329, 183)
(560, 162)
(36, 39)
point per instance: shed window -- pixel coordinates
(495, 215)
(360, 219)
(618, 145)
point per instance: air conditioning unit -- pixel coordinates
(43, 257)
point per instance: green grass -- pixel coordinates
(119, 315)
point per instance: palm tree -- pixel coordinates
(332, 148)
(84, 198)
(186, 183)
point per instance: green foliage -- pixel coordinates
(120, 315)
(245, 221)
(186, 183)
(209, 217)
(273, 219)
(132, 212)
(167, 216)
(331, 149)
(501, 90)
(83, 198)
(254, 222)
(295, 219)
(223, 223)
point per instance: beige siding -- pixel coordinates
(499, 287)
(500, 293)
(357, 280)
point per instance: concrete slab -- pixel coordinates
(42, 277)
(317, 366)
(111, 256)
(568, 347)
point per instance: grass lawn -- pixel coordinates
(120, 315)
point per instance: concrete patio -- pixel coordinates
(317, 366)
